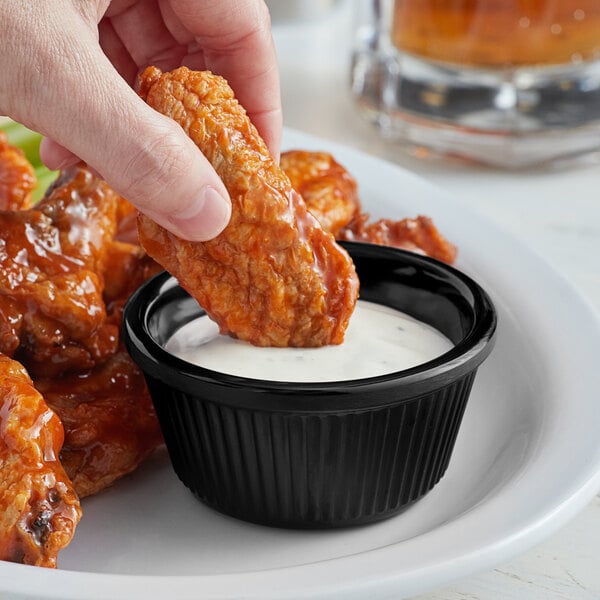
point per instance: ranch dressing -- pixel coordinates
(379, 340)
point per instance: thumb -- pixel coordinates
(153, 164)
(147, 158)
(195, 208)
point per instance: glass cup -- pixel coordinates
(509, 83)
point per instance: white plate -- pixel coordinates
(527, 458)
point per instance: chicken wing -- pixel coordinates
(273, 277)
(17, 179)
(126, 267)
(327, 188)
(109, 421)
(126, 222)
(52, 314)
(63, 282)
(331, 195)
(417, 235)
(39, 509)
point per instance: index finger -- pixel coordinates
(234, 40)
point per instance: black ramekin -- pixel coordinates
(312, 455)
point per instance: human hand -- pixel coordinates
(68, 68)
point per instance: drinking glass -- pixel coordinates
(510, 83)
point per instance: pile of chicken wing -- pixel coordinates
(75, 414)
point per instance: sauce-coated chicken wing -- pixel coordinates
(417, 235)
(110, 424)
(126, 267)
(52, 314)
(273, 277)
(127, 230)
(64, 280)
(331, 195)
(39, 509)
(327, 188)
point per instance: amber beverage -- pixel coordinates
(511, 83)
(498, 33)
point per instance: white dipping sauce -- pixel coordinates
(379, 340)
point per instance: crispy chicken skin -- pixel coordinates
(327, 188)
(273, 277)
(39, 508)
(17, 179)
(110, 424)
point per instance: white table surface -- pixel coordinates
(556, 211)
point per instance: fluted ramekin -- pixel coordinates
(314, 455)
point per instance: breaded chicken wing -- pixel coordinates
(273, 277)
(331, 195)
(417, 235)
(109, 421)
(327, 188)
(17, 179)
(39, 508)
(52, 314)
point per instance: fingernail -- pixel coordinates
(205, 218)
